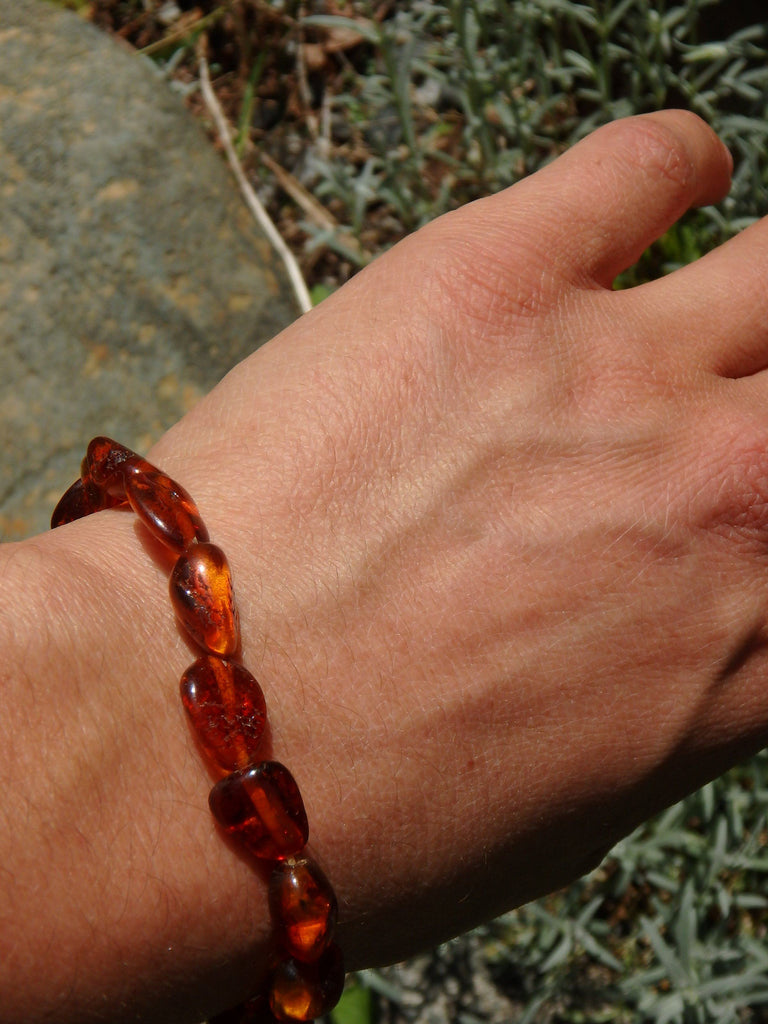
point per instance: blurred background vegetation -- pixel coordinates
(358, 121)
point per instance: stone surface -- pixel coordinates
(132, 276)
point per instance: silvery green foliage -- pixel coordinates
(671, 929)
(511, 84)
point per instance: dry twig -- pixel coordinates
(251, 199)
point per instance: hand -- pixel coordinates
(499, 543)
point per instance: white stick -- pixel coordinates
(251, 199)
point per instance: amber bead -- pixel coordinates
(303, 907)
(262, 806)
(227, 709)
(203, 599)
(300, 991)
(103, 464)
(165, 508)
(253, 1011)
(79, 500)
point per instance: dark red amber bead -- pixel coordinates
(303, 907)
(300, 991)
(227, 709)
(165, 508)
(262, 806)
(103, 464)
(81, 499)
(202, 597)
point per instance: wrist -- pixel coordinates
(110, 855)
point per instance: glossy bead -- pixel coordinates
(79, 500)
(165, 508)
(300, 991)
(203, 599)
(227, 709)
(303, 907)
(103, 464)
(262, 806)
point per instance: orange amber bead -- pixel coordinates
(262, 806)
(227, 709)
(165, 508)
(303, 907)
(300, 991)
(203, 599)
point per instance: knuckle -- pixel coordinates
(475, 265)
(735, 490)
(659, 147)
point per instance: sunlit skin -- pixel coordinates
(498, 536)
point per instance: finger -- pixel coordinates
(714, 312)
(604, 201)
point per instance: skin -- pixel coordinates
(499, 544)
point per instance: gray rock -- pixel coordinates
(132, 276)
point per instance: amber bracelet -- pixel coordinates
(256, 801)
